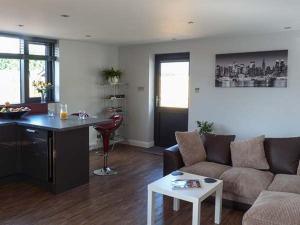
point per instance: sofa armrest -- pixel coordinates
(172, 160)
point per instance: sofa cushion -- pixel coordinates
(246, 182)
(274, 208)
(283, 154)
(218, 148)
(191, 147)
(249, 153)
(207, 169)
(238, 199)
(285, 183)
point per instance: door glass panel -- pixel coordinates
(37, 72)
(174, 84)
(10, 81)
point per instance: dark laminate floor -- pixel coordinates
(116, 200)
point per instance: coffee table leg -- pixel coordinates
(218, 205)
(176, 204)
(151, 208)
(196, 213)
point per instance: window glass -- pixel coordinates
(9, 81)
(37, 49)
(37, 72)
(10, 45)
(174, 84)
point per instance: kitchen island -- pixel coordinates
(46, 151)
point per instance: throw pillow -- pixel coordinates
(218, 148)
(249, 154)
(283, 154)
(191, 147)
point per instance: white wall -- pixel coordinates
(80, 65)
(245, 112)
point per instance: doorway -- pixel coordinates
(171, 97)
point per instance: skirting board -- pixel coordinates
(93, 146)
(142, 144)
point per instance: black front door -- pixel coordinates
(171, 97)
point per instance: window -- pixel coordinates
(22, 61)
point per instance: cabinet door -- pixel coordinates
(8, 150)
(34, 153)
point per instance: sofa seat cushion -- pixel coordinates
(274, 208)
(238, 199)
(207, 169)
(246, 182)
(285, 183)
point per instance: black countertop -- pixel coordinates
(6, 122)
(43, 121)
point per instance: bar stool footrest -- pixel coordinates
(105, 172)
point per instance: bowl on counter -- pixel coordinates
(13, 113)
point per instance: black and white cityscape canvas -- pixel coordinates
(252, 69)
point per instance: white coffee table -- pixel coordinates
(194, 195)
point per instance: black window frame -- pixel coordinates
(50, 57)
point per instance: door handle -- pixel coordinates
(31, 131)
(50, 158)
(157, 101)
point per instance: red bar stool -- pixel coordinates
(106, 129)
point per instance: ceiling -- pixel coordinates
(147, 21)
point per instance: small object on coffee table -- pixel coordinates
(185, 184)
(210, 180)
(177, 173)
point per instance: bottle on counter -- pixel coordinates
(63, 112)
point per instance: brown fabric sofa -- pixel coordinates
(244, 185)
(274, 208)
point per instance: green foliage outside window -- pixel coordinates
(8, 64)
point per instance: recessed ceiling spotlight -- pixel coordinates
(65, 15)
(287, 28)
(88, 36)
(20, 25)
(191, 22)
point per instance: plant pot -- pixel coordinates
(113, 80)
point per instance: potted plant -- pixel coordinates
(111, 75)
(205, 127)
(42, 88)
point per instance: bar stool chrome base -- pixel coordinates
(105, 172)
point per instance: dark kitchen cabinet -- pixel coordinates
(8, 150)
(57, 161)
(49, 153)
(35, 160)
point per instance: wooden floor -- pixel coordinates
(115, 200)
